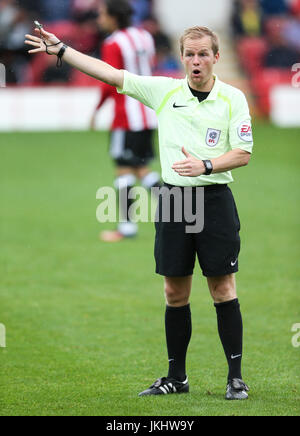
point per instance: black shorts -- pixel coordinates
(131, 149)
(217, 246)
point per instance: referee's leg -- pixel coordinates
(230, 324)
(178, 324)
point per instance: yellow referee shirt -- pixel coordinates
(207, 130)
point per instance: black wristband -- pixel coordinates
(60, 55)
(208, 167)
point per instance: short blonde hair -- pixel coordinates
(199, 32)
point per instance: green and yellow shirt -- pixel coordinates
(207, 130)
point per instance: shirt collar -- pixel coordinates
(213, 94)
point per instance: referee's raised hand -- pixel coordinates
(49, 43)
(43, 42)
(190, 167)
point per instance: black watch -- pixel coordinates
(60, 55)
(208, 167)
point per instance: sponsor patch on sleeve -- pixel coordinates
(245, 131)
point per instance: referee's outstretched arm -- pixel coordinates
(49, 43)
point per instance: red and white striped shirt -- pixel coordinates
(130, 49)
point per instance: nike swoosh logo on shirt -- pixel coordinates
(234, 263)
(175, 106)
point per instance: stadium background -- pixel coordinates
(83, 319)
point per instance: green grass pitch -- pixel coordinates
(85, 320)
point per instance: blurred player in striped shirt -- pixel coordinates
(131, 145)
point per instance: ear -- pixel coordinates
(217, 57)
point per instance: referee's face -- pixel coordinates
(198, 60)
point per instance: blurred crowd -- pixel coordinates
(76, 23)
(267, 38)
(266, 34)
(276, 23)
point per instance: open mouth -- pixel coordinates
(196, 72)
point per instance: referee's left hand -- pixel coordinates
(190, 167)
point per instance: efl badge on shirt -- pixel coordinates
(245, 131)
(213, 137)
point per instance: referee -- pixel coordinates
(204, 133)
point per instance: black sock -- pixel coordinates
(125, 202)
(178, 334)
(230, 327)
